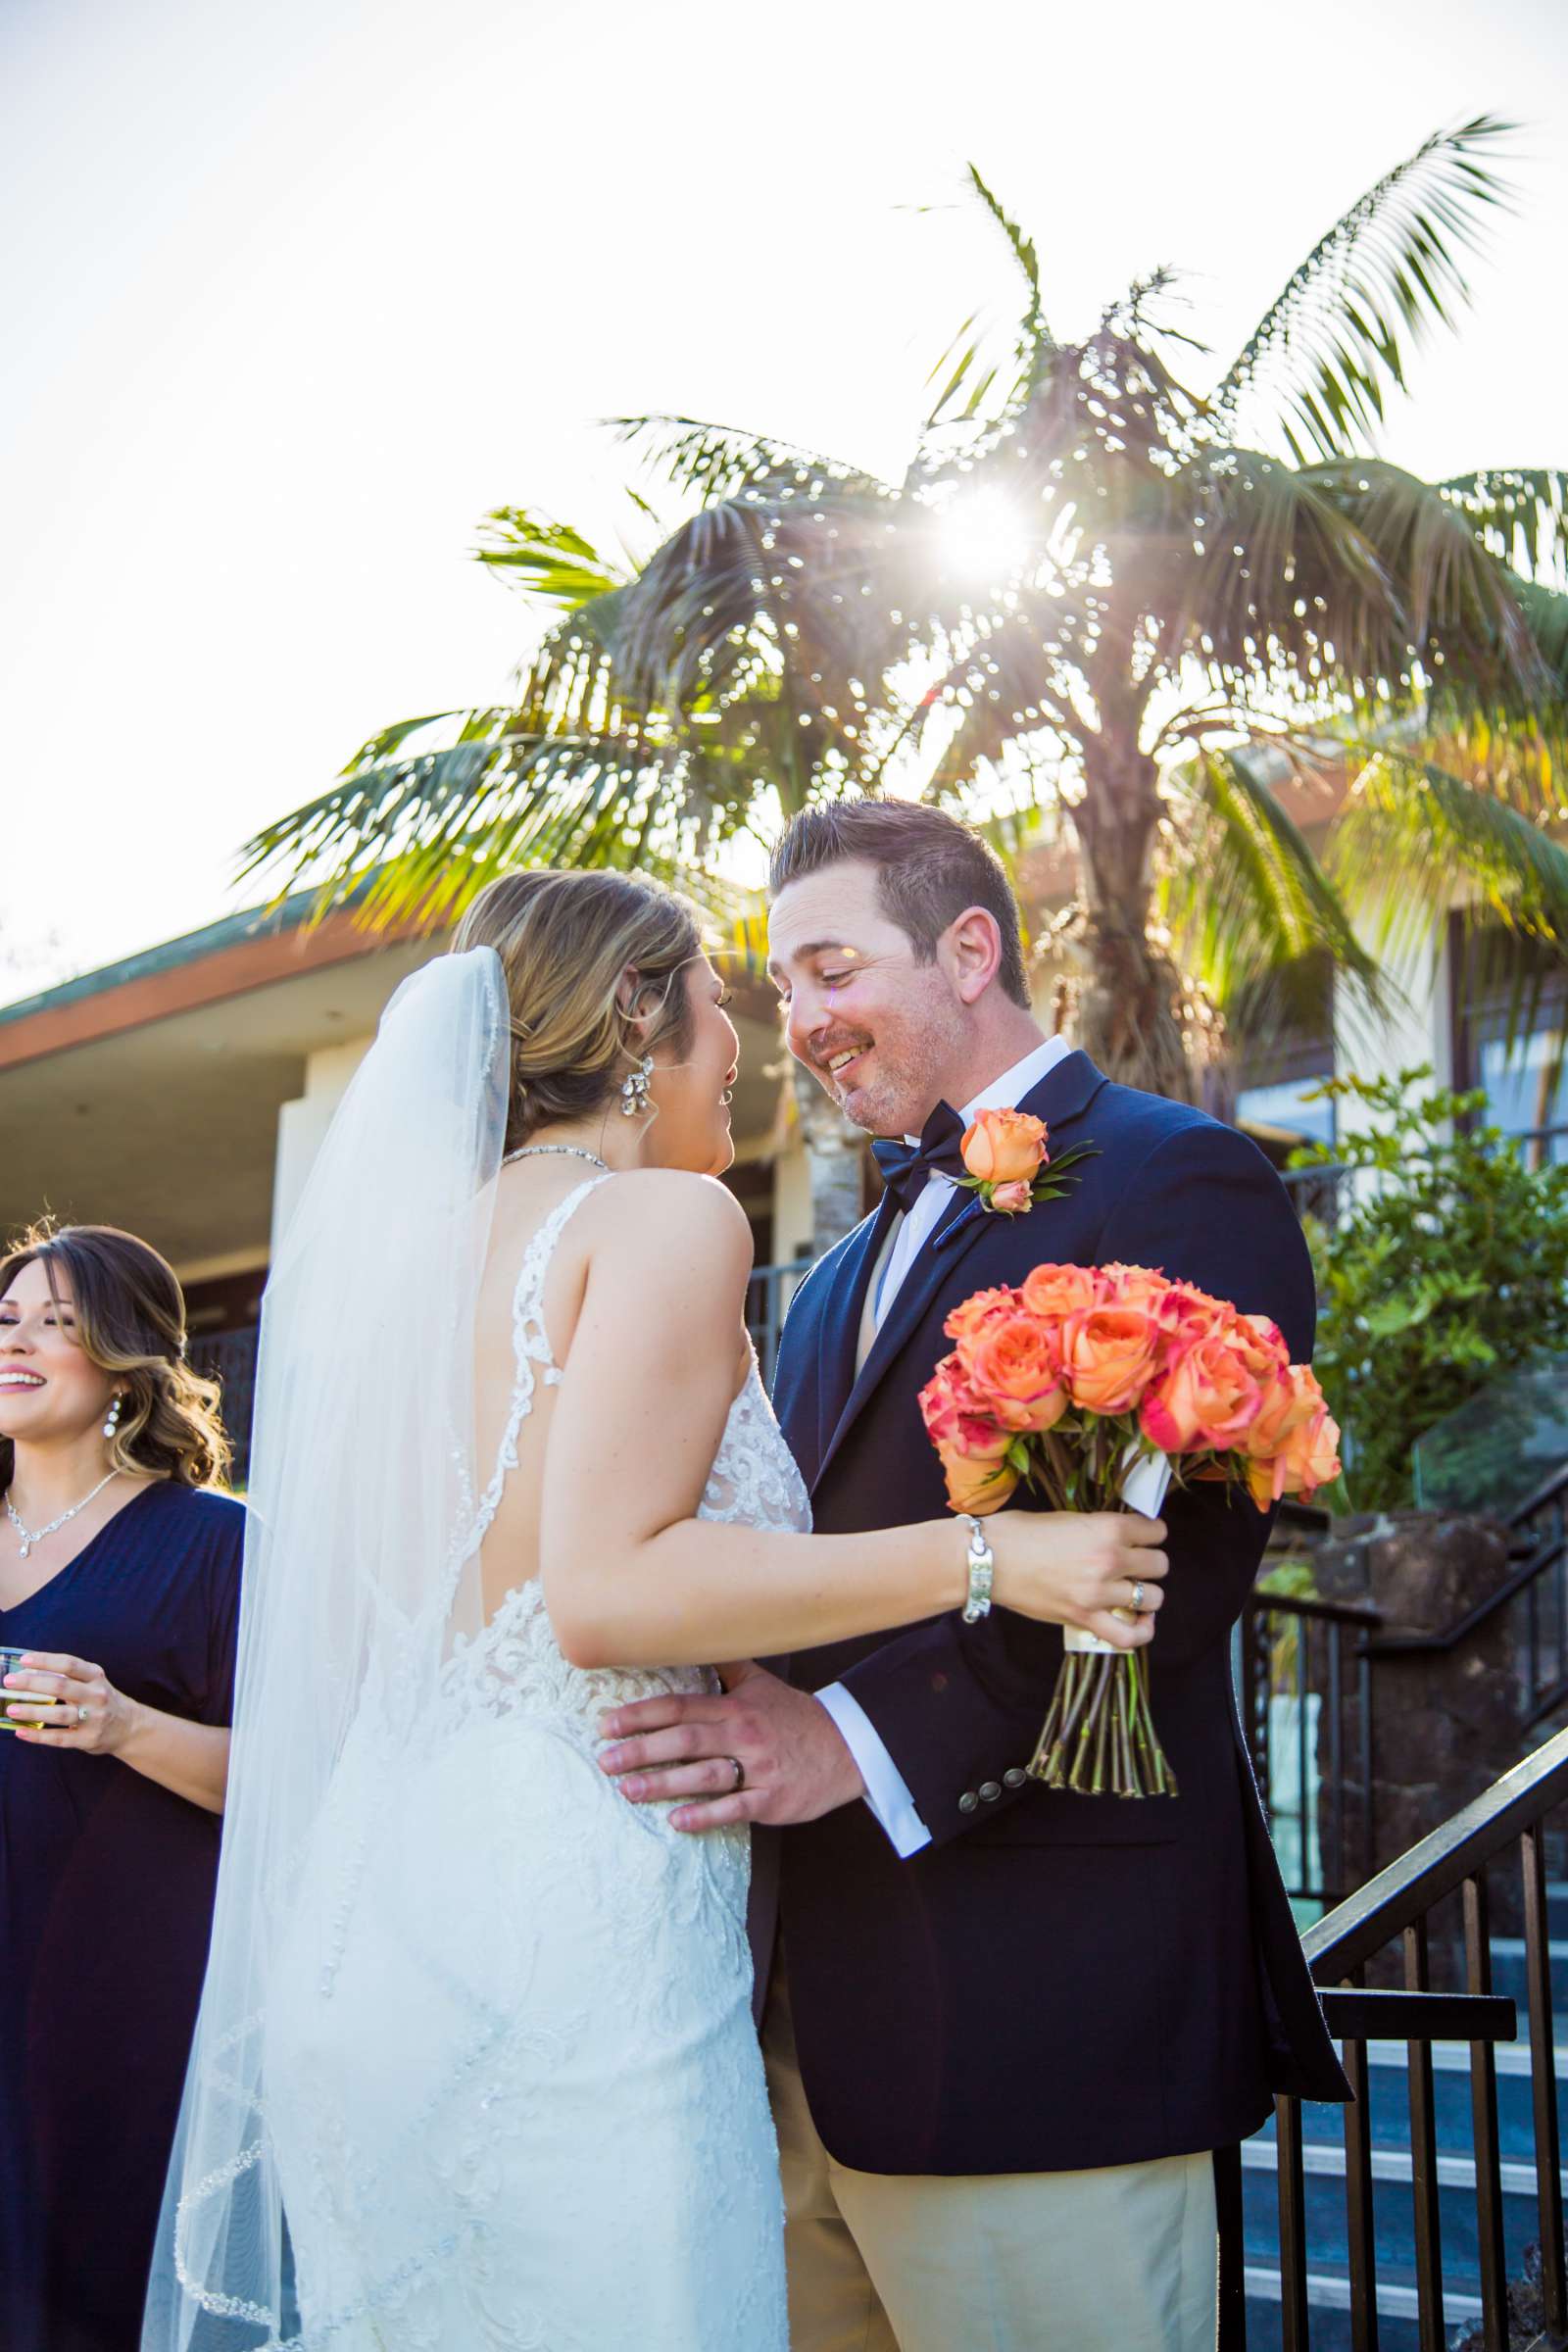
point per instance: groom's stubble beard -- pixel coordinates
(919, 1049)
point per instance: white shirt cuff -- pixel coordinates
(887, 1791)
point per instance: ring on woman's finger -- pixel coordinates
(739, 1769)
(81, 1714)
(1138, 1595)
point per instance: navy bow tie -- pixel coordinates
(939, 1153)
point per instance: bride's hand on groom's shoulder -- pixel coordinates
(1099, 1570)
(759, 1750)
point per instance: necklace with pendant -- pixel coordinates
(30, 1536)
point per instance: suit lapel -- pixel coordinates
(1061, 1098)
(840, 1319)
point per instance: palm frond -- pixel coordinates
(1032, 328)
(387, 740)
(1268, 569)
(411, 840)
(1515, 748)
(547, 560)
(1518, 512)
(972, 365)
(720, 460)
(1457, 601)
(1546, 610)
(1336, 336)
(1350, 574)
(763, 595)
(1411, 830)
(1007, 686)
(1241, 889)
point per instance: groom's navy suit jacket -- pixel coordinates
(1056, 1981)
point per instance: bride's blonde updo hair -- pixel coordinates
(584, 954)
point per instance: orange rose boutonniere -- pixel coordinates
(1006, 1158)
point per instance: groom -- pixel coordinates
(1006, 2027)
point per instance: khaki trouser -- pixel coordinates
(1118, 2258)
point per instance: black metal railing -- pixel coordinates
(1305, 1689)
(1308, 1672)
(1321, 1192)
(1318, 1193)
(1395, 1909)
(767, 1302)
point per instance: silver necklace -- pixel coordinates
(31, 1535)
(563, 1150)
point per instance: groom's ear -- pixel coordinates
(971, 949)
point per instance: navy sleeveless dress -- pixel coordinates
(106, 1894)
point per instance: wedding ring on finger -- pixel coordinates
(1137, 1596)
(81, 1712)
(739, 1769)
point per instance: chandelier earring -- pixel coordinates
(636, 1092)
(116, 1409)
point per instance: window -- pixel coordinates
(1510, 1009)
(1282, 1049)
(1281, 1109)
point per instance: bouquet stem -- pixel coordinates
(1100, 1739)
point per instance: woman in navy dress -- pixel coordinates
(120, 1584)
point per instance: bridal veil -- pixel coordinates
(359, 1576)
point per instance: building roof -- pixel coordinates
(148, 1093)
(227, 959)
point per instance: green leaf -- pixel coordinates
(1389, 267)
(1242, 890)
(550, 560)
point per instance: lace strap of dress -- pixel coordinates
(530, 1343)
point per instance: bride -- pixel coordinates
(475, 2064)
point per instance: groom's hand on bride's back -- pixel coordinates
(793, 1761)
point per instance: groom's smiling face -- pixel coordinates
(883, 1032)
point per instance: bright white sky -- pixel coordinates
(296, 292)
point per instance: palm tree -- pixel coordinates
(1098, 599)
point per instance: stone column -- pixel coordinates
(1446, 1723)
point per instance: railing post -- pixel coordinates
(1559, 1595)
(1295, 2322)
(1543, 2077)
(1361, 2234)
(1424, 2158)
(1364, 1713)
(1335, 1878)
(1484, 2125)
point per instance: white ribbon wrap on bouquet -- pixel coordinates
(1143, 1489)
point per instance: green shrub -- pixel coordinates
(1446, 1268)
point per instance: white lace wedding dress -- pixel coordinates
(510, 2074)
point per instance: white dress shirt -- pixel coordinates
(887, 1792)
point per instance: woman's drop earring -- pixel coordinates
(635, 1091)
(113, 1422)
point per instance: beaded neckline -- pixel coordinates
(563, 1150)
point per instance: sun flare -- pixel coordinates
(982, 536)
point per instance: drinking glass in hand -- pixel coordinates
(11, 1663)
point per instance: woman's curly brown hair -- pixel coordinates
(131, 1322)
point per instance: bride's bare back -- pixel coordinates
(527, 1193)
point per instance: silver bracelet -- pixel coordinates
(982, 1573)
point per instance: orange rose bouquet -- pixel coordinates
(1097, 1386)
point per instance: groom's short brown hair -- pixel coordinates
(928, 869)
